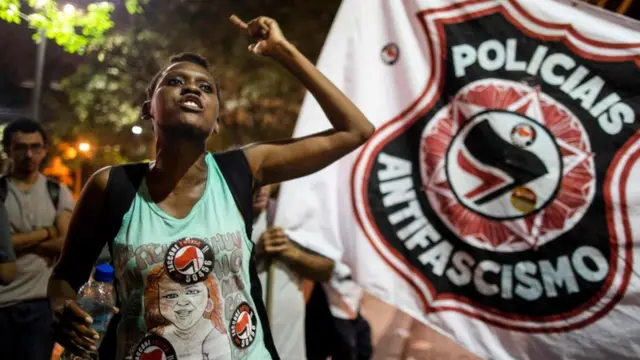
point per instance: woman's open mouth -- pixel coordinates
(191, 103)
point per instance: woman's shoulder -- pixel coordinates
(100, 179)
(233, 163)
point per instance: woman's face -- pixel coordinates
(185, 100)
(183, 305)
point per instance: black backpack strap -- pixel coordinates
(122, 186)
(53, 187)
(4, 188)
(237, 173)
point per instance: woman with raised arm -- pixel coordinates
(186, 217)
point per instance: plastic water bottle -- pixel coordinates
(97, 298)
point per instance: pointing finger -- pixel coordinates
(264, 23)
(238, 23)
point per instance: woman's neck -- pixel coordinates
(180, 164)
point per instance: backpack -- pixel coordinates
(122, 186)
(53, 187)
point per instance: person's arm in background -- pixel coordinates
(308, 264)
(22, 242)
(274, 243)
(7, 255)
(53, 245)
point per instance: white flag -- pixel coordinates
(498, 200)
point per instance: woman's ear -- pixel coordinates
(209, 305)
(146, 110)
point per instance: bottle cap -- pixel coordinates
(103, 273)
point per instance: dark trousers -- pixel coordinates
(353, 340)
(329, 336)
(25, 330)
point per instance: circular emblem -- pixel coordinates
(513, 177)
(484, 149)
(508, 200)
(243, 326)
(154, 347)
(390, 53)
(523, 135)
(189, 260)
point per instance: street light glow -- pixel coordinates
(136, 130)
(70, 153)
(84, 146)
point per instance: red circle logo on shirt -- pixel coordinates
(189, 260)
(243, 326)
(154, 347)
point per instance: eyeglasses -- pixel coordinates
(22, 148)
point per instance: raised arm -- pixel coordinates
(278, 161)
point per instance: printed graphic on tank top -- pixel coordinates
(184, 283)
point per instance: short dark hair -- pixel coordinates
(24, 125)
(183, 57)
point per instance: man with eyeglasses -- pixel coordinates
(39, 210)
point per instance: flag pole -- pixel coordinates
(269, 290)
(271, 267)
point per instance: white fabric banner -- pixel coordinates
(498, 199)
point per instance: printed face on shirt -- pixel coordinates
(183, 305)
(167, 302)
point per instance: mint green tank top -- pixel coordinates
(184, 284)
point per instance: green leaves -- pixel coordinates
(10, 11)
(133, 6)
(74, 29)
